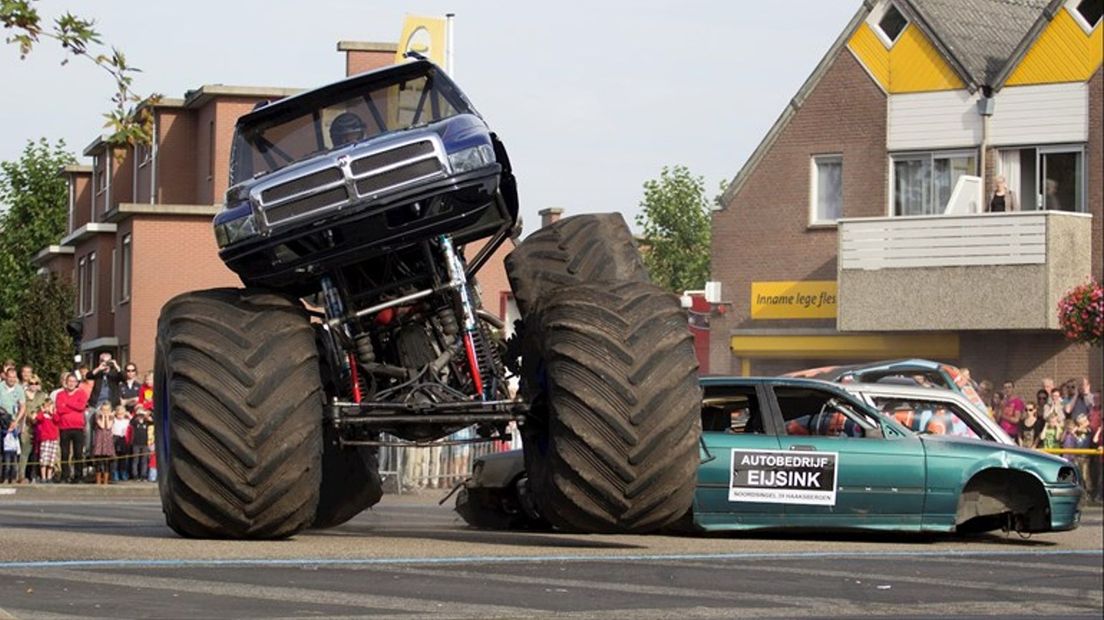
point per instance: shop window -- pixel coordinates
(1045, 177)
(924, 182)
(826, 191)
(892, 23)
(1090, 11)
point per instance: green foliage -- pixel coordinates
(130, 120)
(676, 225)
(36, 197)
(39, 330)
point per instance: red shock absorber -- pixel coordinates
(354, 378)
(473, 363)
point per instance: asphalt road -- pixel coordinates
(111, 556)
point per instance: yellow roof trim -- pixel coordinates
(847, 347)
(911, 65)
(1063, 52)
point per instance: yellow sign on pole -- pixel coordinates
(425, 35)
(809, 299)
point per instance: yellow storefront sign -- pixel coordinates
(809, 299)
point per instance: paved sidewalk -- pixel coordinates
(118, 489)
(149, 490)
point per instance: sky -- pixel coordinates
(592, 99)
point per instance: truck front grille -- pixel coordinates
(315, 202)
(301, 185)
(397, 176)
(370, 176)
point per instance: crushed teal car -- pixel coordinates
(783, 452)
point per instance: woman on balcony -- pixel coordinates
(1002, 199)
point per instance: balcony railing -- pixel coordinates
(961, 272)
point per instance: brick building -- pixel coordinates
(858, 229)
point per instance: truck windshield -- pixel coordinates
(346, 117)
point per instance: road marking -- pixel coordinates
(913, 580)
(416, 603)
(521, 559)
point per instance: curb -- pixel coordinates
(31, 491)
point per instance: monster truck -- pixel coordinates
(360, 325)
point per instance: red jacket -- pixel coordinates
(47, 430)
(70, 410)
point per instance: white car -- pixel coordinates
(930, 410)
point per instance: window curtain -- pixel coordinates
(1010, 170)
(911, 186)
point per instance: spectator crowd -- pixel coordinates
(1059, 417)
(96, 426)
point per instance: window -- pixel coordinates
(100, 178)
(142, 154)
(1090, 11)
(931, 416)
(1045, 177)
(731, 409)
(114, 278)
(124, 268)
(82, 287)
(923, 182)
(92, 279)
(826, 200)
(892, 23)
(810, 412)
(210, 151)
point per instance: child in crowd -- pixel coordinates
(145, 393)
(103, 445)
(9, 462)
(139, 435)
(48, 436)
(1082, 440)
(1052, 432)
(120, 431)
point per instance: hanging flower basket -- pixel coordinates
(1081, 314)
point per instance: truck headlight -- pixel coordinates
(234, 231)
(471, 158)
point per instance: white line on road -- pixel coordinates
(521, 559)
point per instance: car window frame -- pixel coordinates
(884, 427)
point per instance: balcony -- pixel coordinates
(992, 271)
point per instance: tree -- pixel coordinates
(39, 335)
(37, 199)
(129, 122)
(676, 226)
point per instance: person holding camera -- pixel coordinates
(106, 377)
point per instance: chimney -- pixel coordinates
(550, 216)
(361, 56)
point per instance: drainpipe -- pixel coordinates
(985, 107)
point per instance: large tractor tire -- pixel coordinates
(612, 442)
(239, 415)
(574, 250)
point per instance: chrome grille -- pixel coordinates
(303, 206)
(397, 176)
(339, 181)
(376, 161)
(302, 184)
